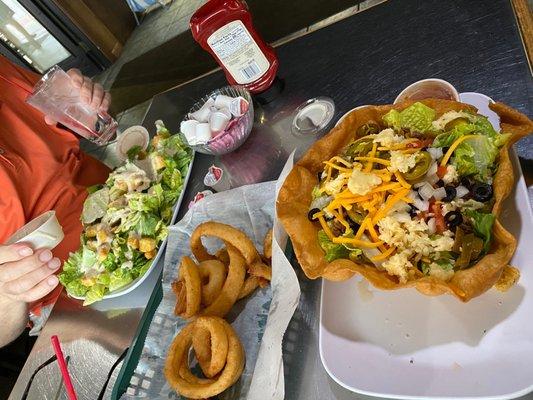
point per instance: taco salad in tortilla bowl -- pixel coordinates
(407, 195)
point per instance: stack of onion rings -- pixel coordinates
(206, 292)
(218, 351)
(220, 280)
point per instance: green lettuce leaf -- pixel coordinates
(144, 202)
(88, 258)
(95, 206)
(96, 293)
(482, 223)
(476, 156)
(333, 250)
(417, 117)
(119, 278)
(76, 288)
(104, 279)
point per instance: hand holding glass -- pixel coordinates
(57, 96)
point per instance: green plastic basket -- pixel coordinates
(134, 353)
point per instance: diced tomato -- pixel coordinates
(440, 224)
(441, 171)
(419, 144)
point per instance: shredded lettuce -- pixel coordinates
(475, 156)
(333, 250)
(482, 223)
(417, 117)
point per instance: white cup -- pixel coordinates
(188, 128)
(202, 115)
(133, 136)
(218, 121)
(428, 88)
(40, 233)
(223, 101)
(203, 133)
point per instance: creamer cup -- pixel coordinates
(188, 128)
(203, 133)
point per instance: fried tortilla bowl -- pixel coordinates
(295, 197)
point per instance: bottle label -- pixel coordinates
(238, 52)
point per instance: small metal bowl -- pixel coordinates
(233, 137)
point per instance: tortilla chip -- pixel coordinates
(295, 197)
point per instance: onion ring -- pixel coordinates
(267, 245)
(210, 345)
(229, 234)
(213, 275)
(177, 371)
(250, 284)
(188, 289)
(223, 256)
(260, 270)
(232, 286)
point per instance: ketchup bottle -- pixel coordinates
(224, 28)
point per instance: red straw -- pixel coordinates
(63, 367)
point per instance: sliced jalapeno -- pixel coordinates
(423, 162)
(453, 123)
(360, 147)
(370, 128)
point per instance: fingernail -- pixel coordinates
(54, 263)
(52, 281)
(25, 252)
(45, 256)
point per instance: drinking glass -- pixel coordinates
(56, 95)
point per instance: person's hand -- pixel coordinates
(25, 275)
(91, 93)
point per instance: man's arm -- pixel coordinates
(13, 319)
(25, 276)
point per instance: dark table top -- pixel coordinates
(370, 57)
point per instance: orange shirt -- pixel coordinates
(41, 167)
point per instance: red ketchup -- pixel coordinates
(224, 28)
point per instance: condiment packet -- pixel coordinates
(202, 115)
(199, 196)
(217, 179)
(238, 106)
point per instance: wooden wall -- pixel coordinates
(108, 24)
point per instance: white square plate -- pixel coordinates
(401, 344)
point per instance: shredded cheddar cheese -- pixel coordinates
(452, 148)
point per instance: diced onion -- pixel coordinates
(432, 225)
(418, 184)
(422, 205)
(432, 169)
(426, 191)
(439, 193)
(461, 191)
(432, 179)
(436, 153)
